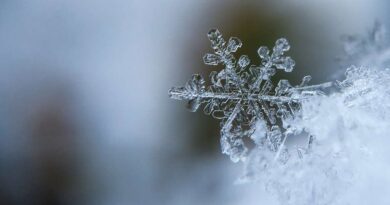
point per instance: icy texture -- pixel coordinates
(242, 95)
(345, 163)
(310, 148)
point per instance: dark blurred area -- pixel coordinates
(84, 113)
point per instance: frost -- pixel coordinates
(351, 129)
(242, 95)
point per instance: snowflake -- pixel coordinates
(243, 97)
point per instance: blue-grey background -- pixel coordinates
(84, 113)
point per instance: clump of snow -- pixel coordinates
(350, 156)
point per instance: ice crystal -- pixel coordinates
(351, 144)
(242, 96)
(339, 141)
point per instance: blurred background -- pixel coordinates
(85, 116)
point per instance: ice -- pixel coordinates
(309, 146)
(242, 95)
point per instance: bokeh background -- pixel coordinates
(85, 116)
